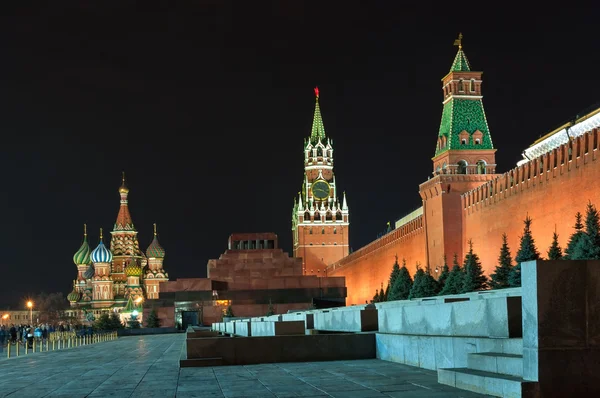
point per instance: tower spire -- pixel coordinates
(84, 231)
(154, 229)
(460, 64)
(124, 222)
(318, 129)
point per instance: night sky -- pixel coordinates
(206, 106)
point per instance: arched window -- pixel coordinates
(463, 141)
(438, 170)
(335, 231)
(477, 141)
(306, 216)
(481, 167)
(461, 86)
(328, 216)
(462, 167)
(472, 85)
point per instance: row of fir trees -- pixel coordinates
(584, 244)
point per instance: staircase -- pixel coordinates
(499, 374)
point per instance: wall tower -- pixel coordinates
(319, 219)
(464, 159)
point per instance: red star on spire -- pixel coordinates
(317, 92)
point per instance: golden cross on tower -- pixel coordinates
(458, 42)
(84, 229)
(154, 229)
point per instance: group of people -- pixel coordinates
(24, 334)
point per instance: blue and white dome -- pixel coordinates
(101, 254)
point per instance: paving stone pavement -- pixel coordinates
(148, 366)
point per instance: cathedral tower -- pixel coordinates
(124, 245)
(319, 219)
(102, 282)
(464, 159)
(155, 272)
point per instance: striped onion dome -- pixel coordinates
(133, 268)
(89, 273)
(82, 256)
(74, 296)
(155, 250)
(101, 254)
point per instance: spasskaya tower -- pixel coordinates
(319, 219)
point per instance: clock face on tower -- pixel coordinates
(320, 189)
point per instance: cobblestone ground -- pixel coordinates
(148, 366)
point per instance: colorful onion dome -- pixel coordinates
(101, 254)
(74, 296)
(82, 256)
(133, 268)
(89, 273)
(155, 250)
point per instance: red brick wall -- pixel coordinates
(368, 267)
(550, 198)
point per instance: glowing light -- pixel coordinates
(135, 313)
(5, 316)
(139, 300)
(29, 304)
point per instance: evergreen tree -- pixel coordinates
(574, 239)
(115, 321)
(270, 310)
(454, 282)
(500, 276)
(527, 252)
(376, 296)
(153, 321)
(103, 322)
(381, 294)
(444, 274)
(387, 293)
(588, 245)
(424, 285)
(555, 252)
(229, 312)
(393, 277)
(402, 285)
(474, 278)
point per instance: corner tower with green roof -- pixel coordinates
(319, 218)
(464, 144)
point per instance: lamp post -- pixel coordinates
(4, 318)
(30, 306)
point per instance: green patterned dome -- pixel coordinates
(74, 296)
(133, 269)
(155, 250)
(82, 256)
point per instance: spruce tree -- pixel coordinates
(386, 295)
(229, 312)
(527, 252)
(153, 321)
(499, 279)
(417, 287)
(454, 282)
(115, 321)
(402, 285)
(474, 278)
(574, 239)
(588, 246)
(381, 294)
(555, 252)
(376, 296)
(103, 322)
(270, 309)
(393, 277)
(444, 274)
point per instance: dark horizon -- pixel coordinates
(206, 108)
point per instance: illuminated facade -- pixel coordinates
(121, 277)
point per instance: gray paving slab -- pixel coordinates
(148, 366)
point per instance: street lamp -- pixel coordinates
(5, 317)
(30, 306)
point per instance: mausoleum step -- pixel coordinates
(496, 362)
(482, 382)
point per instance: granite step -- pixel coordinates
(200, 362)
(482, 382)
(496, 362)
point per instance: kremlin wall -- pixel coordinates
(465, 199)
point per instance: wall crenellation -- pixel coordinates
(553, 164)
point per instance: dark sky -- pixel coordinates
(205, 106)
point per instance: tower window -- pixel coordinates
(477, 141)
(481, 167)
(323, 231)
(335, 231)
(463, 141)
(461, 87)
(462, 167)
(472, 88)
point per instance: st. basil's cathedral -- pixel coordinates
(118, 278)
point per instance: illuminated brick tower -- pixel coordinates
(319, 219)
(464, 159)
